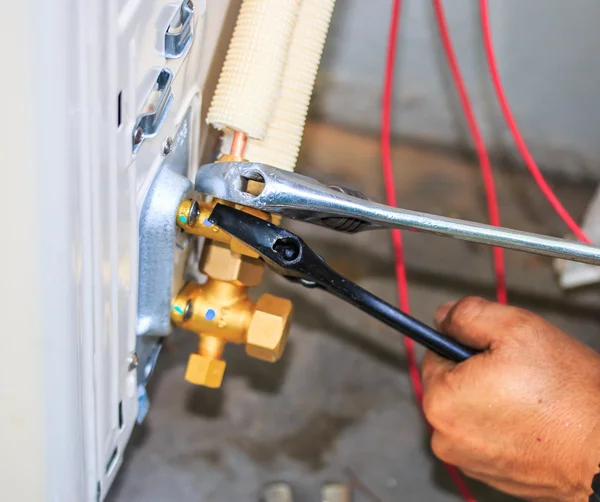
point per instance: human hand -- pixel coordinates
(524, 415)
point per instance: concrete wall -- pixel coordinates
(548, 57)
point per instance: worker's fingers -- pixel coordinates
(474, 321)
(442, 311)
(433, 369)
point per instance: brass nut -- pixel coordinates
(268, 331)
(227, 157)
(202, 370)
(193, 218)
(218, 262)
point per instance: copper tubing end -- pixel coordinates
(238, 145)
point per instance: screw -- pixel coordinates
(138, 135)
(193, 213)
(133, 361)
(167, 146)
(188, 312)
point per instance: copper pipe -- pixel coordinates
(238, 145)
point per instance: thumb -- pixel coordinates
(474, 321)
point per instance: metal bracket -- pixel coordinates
(158, 235)
(148, 124)
(179, 35)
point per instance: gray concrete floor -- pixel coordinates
(338, 406)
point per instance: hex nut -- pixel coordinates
(204, 371)
(218, 262)
(269, 327)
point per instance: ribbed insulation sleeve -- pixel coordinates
(281, 144)
(251, 77)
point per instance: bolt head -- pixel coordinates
(188, 311)
(167, 146)
(182, 309)
(194, 213)
(133, 361)
(268, 331)
(138, 135)
(204, 371)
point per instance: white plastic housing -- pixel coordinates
(76, 74)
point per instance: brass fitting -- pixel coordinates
(192, 217)
(218, 262)
(220, 312)
(267, 333)
(202, 370)
(218, 308)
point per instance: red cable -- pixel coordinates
(484, 160)
(390, 193)
(516, 133)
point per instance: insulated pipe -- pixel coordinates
(251, 76)
(281, 144)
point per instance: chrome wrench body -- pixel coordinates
(303, 198)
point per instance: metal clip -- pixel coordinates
(180, 34)
(148, 124)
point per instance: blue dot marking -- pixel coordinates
(178, 309)
(182, 218)
(210, 315)
(208, 223)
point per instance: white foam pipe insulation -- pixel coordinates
(250, 80)
(280, 145)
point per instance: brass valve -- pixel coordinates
(221, 312)
(192, 217)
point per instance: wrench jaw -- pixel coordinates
(218, 180)
(292, 195)
(252, 184)
(245, 183)
(300, 197)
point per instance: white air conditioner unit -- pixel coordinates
(101, 99)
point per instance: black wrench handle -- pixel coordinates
(314, 268)
(405, 324)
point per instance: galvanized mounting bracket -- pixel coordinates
(159, 247)
(158, 235)
(148, 123)
(180, 34)
(158, 232)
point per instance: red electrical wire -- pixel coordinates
(482, 154)
(514, 128)
(390, 192)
